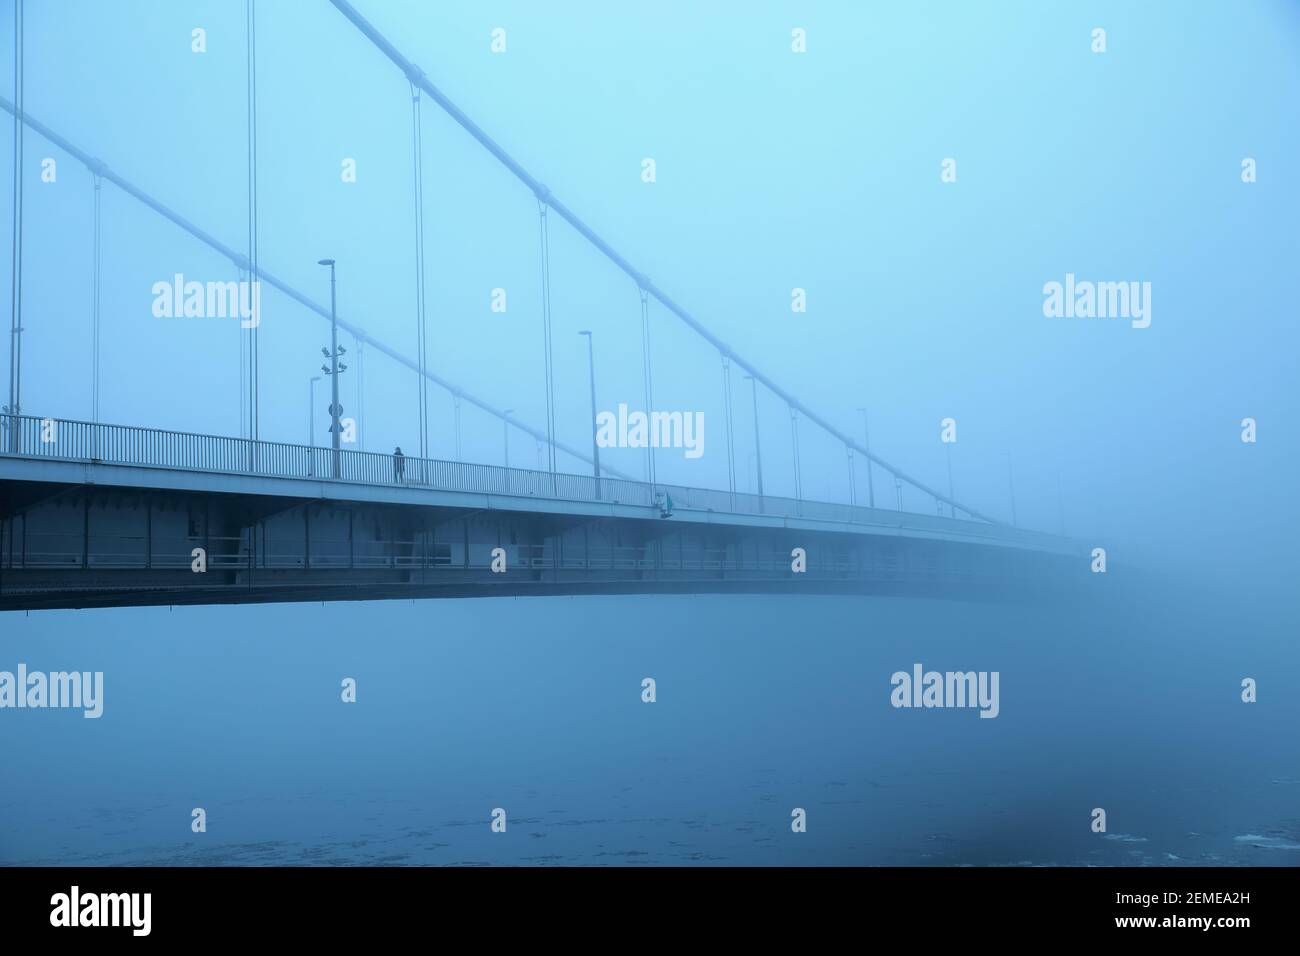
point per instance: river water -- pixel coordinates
(1130, 703)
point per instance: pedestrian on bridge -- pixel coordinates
(399, 464)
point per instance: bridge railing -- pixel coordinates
(30, 437)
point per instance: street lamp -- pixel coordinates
(595, 446)
(334, 368)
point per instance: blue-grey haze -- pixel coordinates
(775, 170)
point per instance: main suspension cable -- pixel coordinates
(457, 115)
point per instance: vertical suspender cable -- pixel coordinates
(421, 330)
(250, 12)
(1011, 488)
(250, 23)
(455, 399)
(731, 445)
(758, 447)
(952, 511)
(94, 309)
(546, 333)
(16, 315)
(853, 478)
(243, 368)
(866, 436)
(647, 370)
(794, 437)
(361, 393)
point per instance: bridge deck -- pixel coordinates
(108, 514)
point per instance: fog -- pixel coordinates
(922, 172)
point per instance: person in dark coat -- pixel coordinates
(399, 464)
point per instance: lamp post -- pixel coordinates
(758, 453)
(334, 368)
(595, 446)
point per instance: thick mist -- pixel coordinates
(922, 172)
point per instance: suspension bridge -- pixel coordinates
(103, 514)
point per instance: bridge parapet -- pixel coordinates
(95, 514)
(24, 436)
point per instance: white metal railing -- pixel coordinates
(26, 436)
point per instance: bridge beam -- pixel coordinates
(102, 545)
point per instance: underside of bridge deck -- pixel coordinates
(92, 545)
